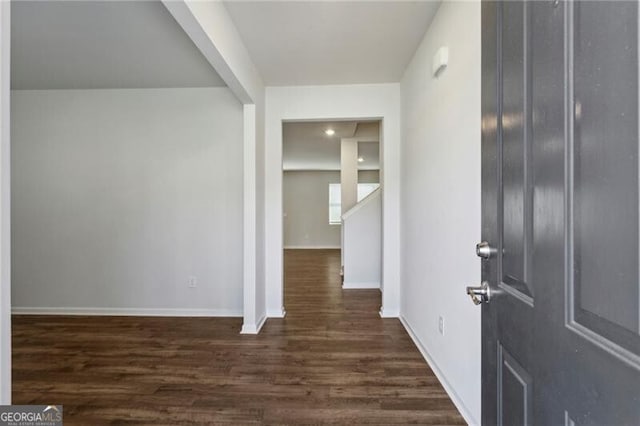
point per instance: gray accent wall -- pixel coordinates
(120, 198)
(306, 207)
(368, 176)
(306, 210)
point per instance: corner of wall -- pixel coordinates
(253, 328)
(441, 143)
(455, 398)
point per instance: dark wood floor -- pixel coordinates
(331, 360)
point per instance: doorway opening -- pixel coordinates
(332, 206)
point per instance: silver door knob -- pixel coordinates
(480, 294)
(484, 250)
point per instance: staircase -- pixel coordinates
(362, 243)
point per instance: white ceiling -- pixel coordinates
(331, 42)
(102, 44)
(307, 147)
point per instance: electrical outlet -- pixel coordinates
(192, 282)
(441, 325)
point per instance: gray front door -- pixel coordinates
(561, 327)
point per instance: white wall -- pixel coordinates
(306, 210)
(5, 210)
(361, 243)
(119, 196)
(381, 101)
(212, 30)
(441, 201)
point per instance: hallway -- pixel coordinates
(331, 360)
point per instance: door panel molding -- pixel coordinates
(508, 367)
(607, 335)
(568, 421)
(598, 340)
(516, 230)
(517, 294)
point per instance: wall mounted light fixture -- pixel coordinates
(440, 61)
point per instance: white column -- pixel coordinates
(250, 325)
(349, 173)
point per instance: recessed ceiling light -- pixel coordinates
(330, 132)
(360, 159)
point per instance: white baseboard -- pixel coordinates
(466, 414)
(387, 313)
(253, 328)
(137, 312)
(350, 286)
(312, 247)
(277, 313)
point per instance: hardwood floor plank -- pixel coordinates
(332, 360)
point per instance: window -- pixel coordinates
(335, 208)
(334, 203)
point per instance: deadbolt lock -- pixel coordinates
(484, 250)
